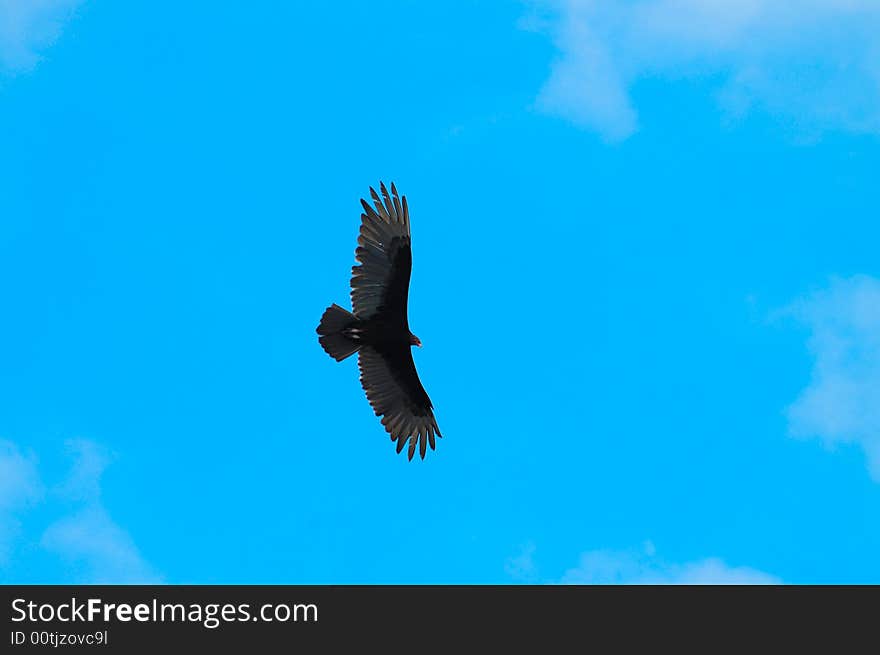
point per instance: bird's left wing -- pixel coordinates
(396, 394)
(381, 281)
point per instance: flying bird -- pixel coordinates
(377, 329)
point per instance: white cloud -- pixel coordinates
(584, 85)
(89, 536)
(816, 63)
(27, 27)
(19, 487)
(92, 538)
(86, 536)
(841, 404)
(645, 567)
(637, 566)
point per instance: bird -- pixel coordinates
(377, 328)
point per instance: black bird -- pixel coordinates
(378, 330)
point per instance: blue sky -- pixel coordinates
(645, 275)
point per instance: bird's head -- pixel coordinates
(414, 340)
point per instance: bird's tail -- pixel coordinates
(333, 340)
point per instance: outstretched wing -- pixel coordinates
(395, 393)
(380, 283)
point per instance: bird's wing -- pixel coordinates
(395, 393)
(381, 281)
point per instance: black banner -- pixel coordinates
(156, 618)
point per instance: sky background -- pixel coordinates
(645, 276)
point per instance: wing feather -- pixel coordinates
(395, 393)
(381, 277)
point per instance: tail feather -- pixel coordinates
(333, 341)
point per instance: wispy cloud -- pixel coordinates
(89, 536)
(85, 536)
(646, 567)
(20, 487)
(841, 404)
(816, 63)
(92, 539)
(27, 27)
(638, 566)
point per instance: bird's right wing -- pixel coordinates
(381, 280)
(396, 394)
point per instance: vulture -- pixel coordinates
(377, 328)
